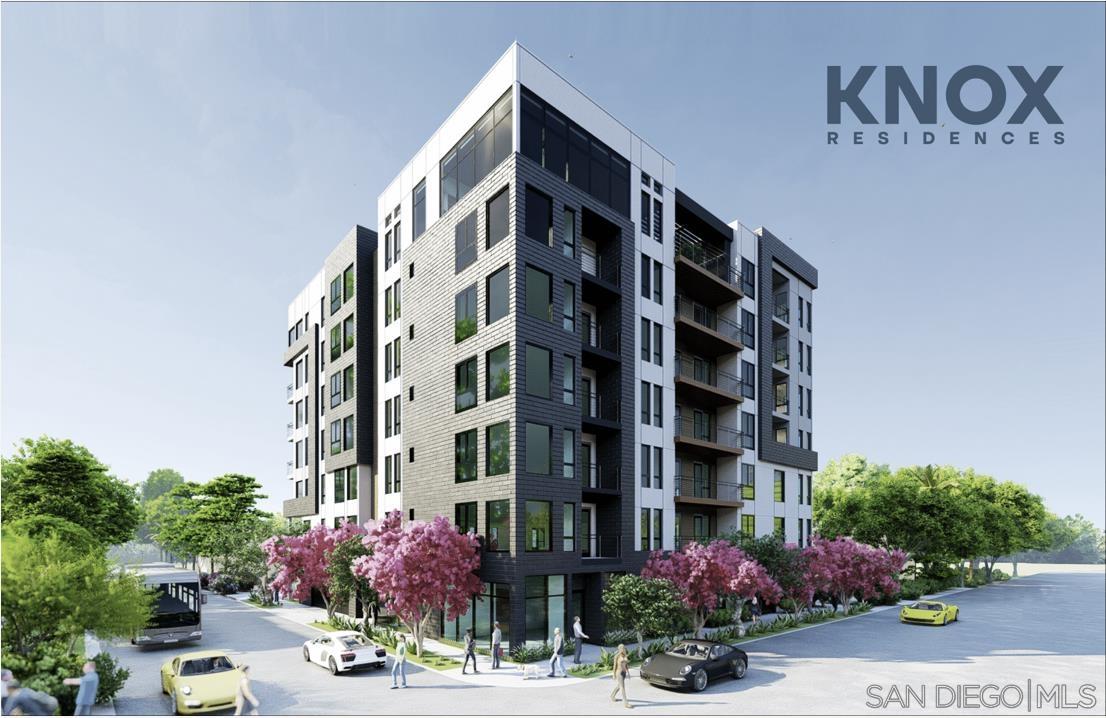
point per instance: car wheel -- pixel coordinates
(944, 620)
(739, 668)
(333, 666)
(306, 654)
(700, 680)
(956, 616)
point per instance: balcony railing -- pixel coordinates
(781, 309)
(601, 476)
(600, 546)
(706, 429)
(710, 258)
(291, 390)
(598, 336)
(604, 265)
(602, 406)
(780, 354)
(706, 372)
(705, 316)
(699, 487)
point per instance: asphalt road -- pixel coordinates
(1045, 630)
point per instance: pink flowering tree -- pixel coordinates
(844, 568)
(751, 579)
(419, 568)
(704, 573)
(302, 561)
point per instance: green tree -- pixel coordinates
(344, 583)
(849, 472)
(55, 477)
(160, 482)
(646, 606)
(785, 563)
(54, 592)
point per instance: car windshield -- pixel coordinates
(203, 666)
(689, 650)
(352, 641)
(928, 606)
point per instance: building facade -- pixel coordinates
(572, 357)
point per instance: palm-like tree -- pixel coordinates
(933, 478)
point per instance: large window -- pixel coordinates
(349, 331)
(475, 155)
(748, 525)
(349, 386)
(748, 482)
(568, 233)
(748, 329)
(335, 389)
(568, 527)
(418, 208)
(335, 437)
(778, 486)
(539, 216)
(539, 525)
(568, 308)
(335, 342)
(348, 284)
(464, 314)
(465, 456)
(351, 484)
(538, 440)
(778, 528)
(496, 213)
(748, 278)
(748, 380)
(347, 433)
(539, 369)
(568, 381)
(748, 430)
(539, 294)
(465, 384)
(465, 517)
(497, 449)
(464, 242)
(498, 368)
(498, 295)
(498, 534)
(339, 486)
(568, 454)
(545, 607)
(335, 295)
(566, 150)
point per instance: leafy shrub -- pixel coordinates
(345, 623)
(584, 670)
(112, 677)
(652, 649)
(913, 588)
(606, 659)
(997, 575)
(262, 598)
(719, 617)
(223, 585)
(782, 623)
(862, 607)
(727, 633)
(45, 668)
(617, 636)
(385, 636)
(540, 652)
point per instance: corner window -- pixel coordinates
(539, 525)
(538, 440)
(335, 295)
(347, 433)
(539, 369)
(539, 294)
(498, 368)
(498, 295)
(464, 243)
(348, 284)
(465, 456)
(465, 382)
(496, 213)
(418, 208)
(497, 448)
(465, 314)
(349, 329)
(539, 216)
(480, 150)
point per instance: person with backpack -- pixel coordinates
(28, 702)
(86, 694)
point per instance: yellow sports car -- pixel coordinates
(933, 613)
(201, 681)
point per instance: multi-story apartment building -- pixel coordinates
(331, 347)
(594, 365)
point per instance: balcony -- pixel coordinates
(705, 270)
(291, 391)
(702, 435)
(780, 307)
(602, 478)
(601, 273)
(704, 383)
(290, 430)
(595, 546)
(704, 330)
(602, 343)
(602, 412)
(707, 492)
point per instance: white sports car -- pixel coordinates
(342, 651)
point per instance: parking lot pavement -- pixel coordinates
(1047, 628)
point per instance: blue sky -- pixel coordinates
(173, 174)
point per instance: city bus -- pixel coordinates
(176, 616)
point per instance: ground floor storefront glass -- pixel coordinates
(545, 607)
(492, 605)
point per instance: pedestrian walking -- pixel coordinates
(245, 695)
(470, 652)
(754, 609)
(6, 677)
(399, 664)
(497, 640)
(27, 702)
(579, 636)
(86, 694)
(557, 659)
(621, 672)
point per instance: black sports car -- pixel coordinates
(693, 663)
